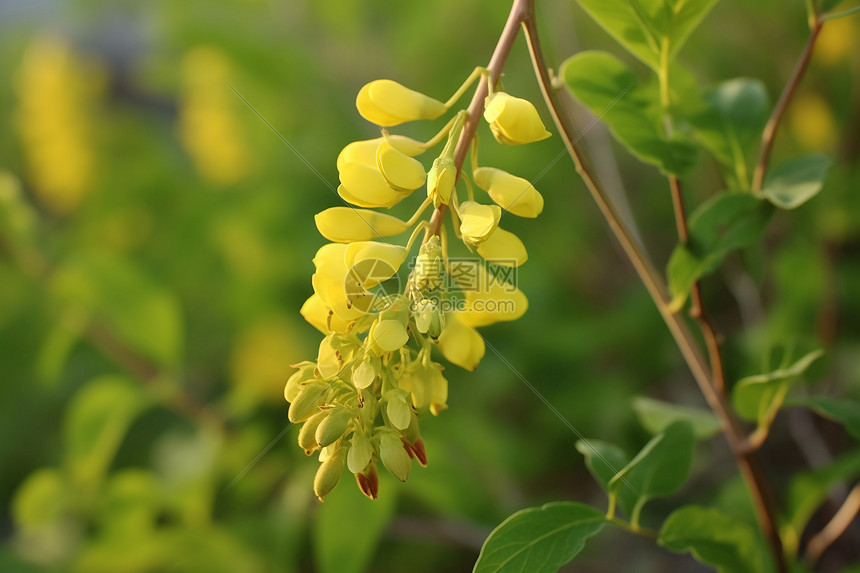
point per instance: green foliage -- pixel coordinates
(729, 124)
(539, 539)
(650, 29)
(725, 223)
(795, 182)
(759, 397)
(604, 461)
(96, 422)
(659, 469)
(631, 110)
(656, 415)
(841, 410)
(729, 545)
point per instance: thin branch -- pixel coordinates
(747, 462)
(476, 107)
(834, 528)
(769, 133)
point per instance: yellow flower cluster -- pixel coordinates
(360, 401)
(55, 92)
(208, 127)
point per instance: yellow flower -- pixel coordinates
(494, 301)
(330, 282)
(387, 336)
(371, 263)
(511, 193)
(321, 317)
(402, 173)
(208, 126)
(503, 248)
(513, 120)
(386, 102)
(460, 343)
(365, 151)
(441, 180)
(477, 222)
(364, 185)
(54, 119)
(345, 224)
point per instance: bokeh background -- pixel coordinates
(156, 238)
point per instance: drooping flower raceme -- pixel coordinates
(375, 374)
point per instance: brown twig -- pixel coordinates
(769, 133)
(746, 460)
(834, 528)
(476, 106)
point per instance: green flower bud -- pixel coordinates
(306, 402)
(394, 455)
(428, 318)
(334, 426)
(328, 474)
(360, 453)
(398, 410)
(307, 435)
(364, 374)
(298, 379)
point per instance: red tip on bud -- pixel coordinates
(368, 481)
(416, 451)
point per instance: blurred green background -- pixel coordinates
(156, 239)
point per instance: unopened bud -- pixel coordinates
(307, 435)
(394, 455)
(334, 426)
(328, 475)
(306, 402)
(368, 481)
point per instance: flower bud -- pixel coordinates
(368, 481)
(334, 426)
(307, 435)
(503, 248)
(294, 385)
(477, 222)
(387, 336)
(428, 318)
(427, 270)
(398, 410)
(386, 103)
(306, 402)
(416, 450)
(511, 193)
(328, 474)
(345, 224)
(441, 180)
(364, 374)
(513, 120)
(394, 456)
(360, 452)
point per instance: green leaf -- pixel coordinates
(796, 181)
(660, 468)
(95, 424)
(604, 461)
(726, 222)
(713, 538)
(656, 415)
(646, 27)
(730, 123)
(40, 499)
(807, 491)
(539, 539)
(349, 526)
(141, 313)
(759, 397)
(631, 111)
(842, 410)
